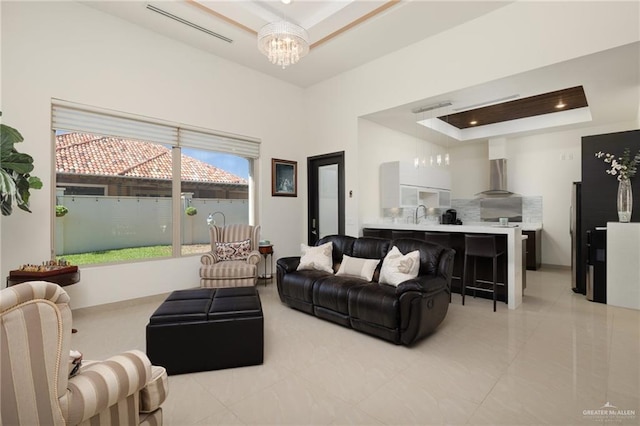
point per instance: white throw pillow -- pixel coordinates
(318, 257)
(397, 268)
(358, 267)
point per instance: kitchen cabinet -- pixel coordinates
(408, 196)
(403, 185)
(534, 249)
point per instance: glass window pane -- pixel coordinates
(214, 191)
(118, 198)
(328, 199)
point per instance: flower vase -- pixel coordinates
(625, 200)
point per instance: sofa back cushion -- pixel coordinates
(370, 248)
(342, 244)
(429, 253)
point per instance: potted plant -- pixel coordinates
(15, 180)
(191, 211)
(61, 210)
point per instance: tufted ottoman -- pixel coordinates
(207, 329)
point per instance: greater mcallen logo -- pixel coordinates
(609, 413)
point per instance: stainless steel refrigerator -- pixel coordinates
(578, 279)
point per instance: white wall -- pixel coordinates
(510, 40)
(378, 144)
(73, 52)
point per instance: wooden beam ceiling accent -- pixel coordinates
(545, 103)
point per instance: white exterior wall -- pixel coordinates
(73, 52)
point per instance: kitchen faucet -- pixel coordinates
(416, 218)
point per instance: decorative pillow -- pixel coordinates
(75, 361)
(318, 257)
(358, 267)
(238, 250)
(397, 268)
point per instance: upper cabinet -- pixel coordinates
(403, 185)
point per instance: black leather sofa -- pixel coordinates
(402, 314)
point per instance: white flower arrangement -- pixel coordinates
(623, 167)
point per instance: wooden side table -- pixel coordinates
(67, 277)
(62, 279)
(267, 253)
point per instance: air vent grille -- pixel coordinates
(188, 23)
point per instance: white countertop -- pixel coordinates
(467, 227)
(473, 228)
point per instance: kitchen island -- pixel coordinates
(512, 235)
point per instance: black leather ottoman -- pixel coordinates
(207, 329)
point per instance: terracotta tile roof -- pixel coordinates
(83, 153)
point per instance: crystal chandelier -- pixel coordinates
(283, 43)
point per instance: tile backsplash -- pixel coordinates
(468, 211)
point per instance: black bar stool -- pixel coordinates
(401, 234)
(481, 246)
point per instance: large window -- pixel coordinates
(129, 197)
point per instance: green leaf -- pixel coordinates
(8, 137)
(15, 182)
(21, 163)
(35, 182)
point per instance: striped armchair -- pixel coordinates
(35, 325)
(217, 271)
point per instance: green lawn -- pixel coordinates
(117, 255)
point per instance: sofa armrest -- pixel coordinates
(425, 284)
(102, 384)
(156, 390)
(254, 257)
(209, 258)
(288, 264)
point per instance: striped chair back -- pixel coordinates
(233, 233)
(35, 337)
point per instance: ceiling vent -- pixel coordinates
(188, 23)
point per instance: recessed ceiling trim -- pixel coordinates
(541, 104)
(358, 21)
(188, 23)
(325, 39)
(221, 16)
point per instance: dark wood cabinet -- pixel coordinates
(534, 249)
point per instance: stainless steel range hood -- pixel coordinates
(497, 180)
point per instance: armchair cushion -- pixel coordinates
(236, 250)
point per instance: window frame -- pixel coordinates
(69, 116)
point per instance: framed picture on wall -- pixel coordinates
(284, 178)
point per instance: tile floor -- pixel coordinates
(548, 362)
